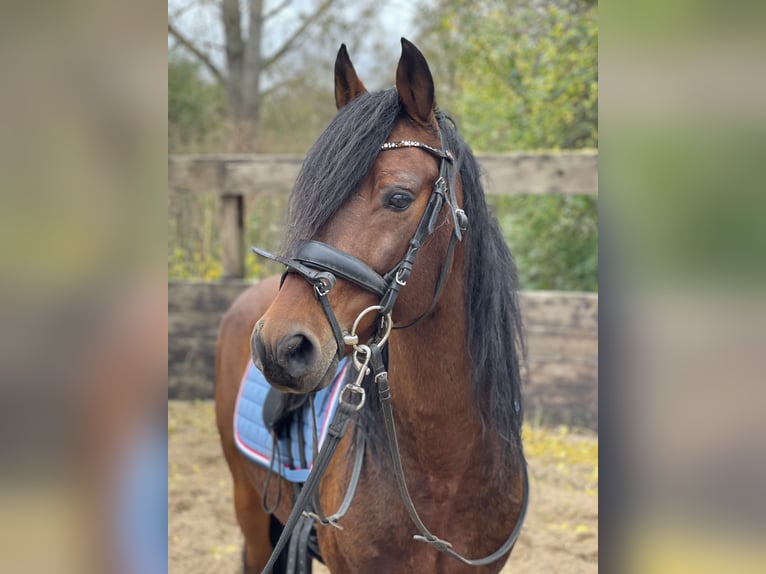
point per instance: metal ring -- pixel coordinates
(386, 318)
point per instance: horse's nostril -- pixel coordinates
(296, 354)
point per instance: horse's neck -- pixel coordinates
(432, 395)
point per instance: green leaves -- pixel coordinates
(196, 108)
(554, 239)
(521, 76)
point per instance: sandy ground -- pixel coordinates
(560, 533)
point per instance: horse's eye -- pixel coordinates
(397, 200)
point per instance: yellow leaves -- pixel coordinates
(558, 445)
(195, 264)
(569, 527)
(566, 454)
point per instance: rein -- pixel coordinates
(320, 264)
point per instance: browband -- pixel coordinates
(443, 154)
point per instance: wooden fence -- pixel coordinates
(562, 328)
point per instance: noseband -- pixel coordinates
(321, 264)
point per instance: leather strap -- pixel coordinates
(346, 411)
(333, 321)
(348, 498)
(443, 274)
(325, 257)
(322, 281)
(298, 558)
(319, 279)
(384, 394)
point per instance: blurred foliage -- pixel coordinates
(554, 239)
(194, 246)
(569, 451)
(199, 122)
(196, 107)
(295, 115)
(690, 206)
(519, 75)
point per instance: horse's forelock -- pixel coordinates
(338, 162)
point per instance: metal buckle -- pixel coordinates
(323, 282)
(356, 387)
(356, 390)
(462, 219)
(314, 516)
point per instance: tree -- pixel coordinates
(252, 65)
(195, 106)
(520, 74)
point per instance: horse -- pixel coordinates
(366, 189)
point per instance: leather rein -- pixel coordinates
(320, 264)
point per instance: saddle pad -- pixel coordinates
(253, 438)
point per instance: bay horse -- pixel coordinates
(364, 194)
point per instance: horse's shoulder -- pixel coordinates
(251, 304)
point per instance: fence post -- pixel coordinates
(233, 236)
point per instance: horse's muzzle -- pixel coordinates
(291, 363)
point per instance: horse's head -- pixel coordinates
(364, 206)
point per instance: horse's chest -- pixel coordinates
(378, 532)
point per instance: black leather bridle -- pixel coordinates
(321, 264)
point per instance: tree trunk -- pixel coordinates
(242, 76)
(245, 62)
(251, 85)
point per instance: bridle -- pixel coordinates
(321, 264)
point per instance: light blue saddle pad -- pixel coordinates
(254, 440)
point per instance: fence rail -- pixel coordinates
(234, 178)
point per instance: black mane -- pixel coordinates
(495, 331)
(333, 170)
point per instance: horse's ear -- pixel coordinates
(347, 85)
(415, 84)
